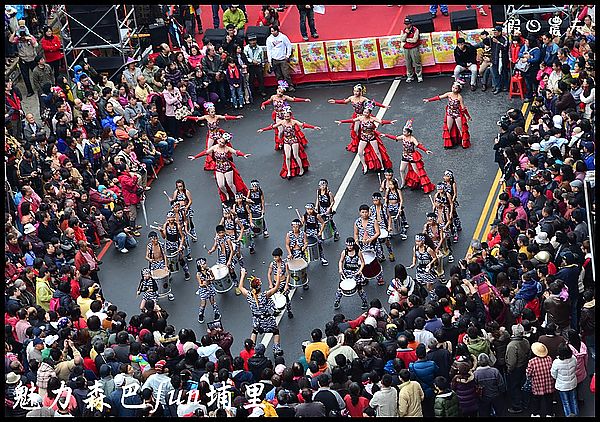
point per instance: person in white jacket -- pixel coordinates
(563, 371)
(588, 96)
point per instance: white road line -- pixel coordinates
(342, 189)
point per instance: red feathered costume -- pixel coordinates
(213, 129)
(370, 157)
(238, 182)
(302, 141)
(420, 179)
(358, 110)
(455, 136)
(278, 110)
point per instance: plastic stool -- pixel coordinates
(517, 87)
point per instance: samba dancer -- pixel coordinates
(256, 199)
(226, 174)
(325, 201)
(314, 225)
(350, 265)
(451, 187)
(278, 270)
(147, 288)
(366, 232)
(424, 258)
(296, 243)
(455, 129)
(213, 130)
(371, 151)
(242, 210)
(262, 309)
(393, 199)
(280, 100)
(379, 214)
(294, 142)
(412, 169)
(358, 101)
(442, 207)
(206, 290)
(183, 196)
(174, 237)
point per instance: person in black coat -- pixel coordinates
(441, 356)
(465, 56)
(503, 140)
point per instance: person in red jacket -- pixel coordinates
(85, 255)
(52, 50)
(129, 185)
(405, 353)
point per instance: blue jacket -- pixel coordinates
(424, 372)
(550, 53)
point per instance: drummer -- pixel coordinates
(278, 269)
(174, 237)
(234, 230)
(182, 218)
(183, 196)
(256, 199)
(156, 256)
(147, 288)
(434, 230)
(325, 201)
(242, 209)
(393, 199)
(366, 232)
(262, 308)
(225, 251)
(296, 243)
(351, 265)
(313, 226)
(206, 290)
(424, 258)
(379, 213)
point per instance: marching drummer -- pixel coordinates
(351, 265)
(256, 199)
(174, 236)
(242, 210)
(147, 288)
(424, 258)
(183, 196)
(206, 290)
(225, 251)
(296, 243)
(366, 232)
(313, 226)
(279, 270)
(262, 308)
(434, 230)
(156, 256)
(234, 230)
(379, 213)
(393, 199)
(325, 201)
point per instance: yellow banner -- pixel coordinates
(366, 54)
(338, 55)
(426, 50)
(443, 44)
(295, 61)
(392, 54)
(313, 57)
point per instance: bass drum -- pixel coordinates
(372, 266)
(348, 287)
(163, 281)
(222, 282)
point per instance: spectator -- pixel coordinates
(465, 56)
(279, 50)
(410, 397)
(499, 61)
(307, 13)
(446, 400)
(517, 356)
(410, 37)
(564, 370)
(234, 16)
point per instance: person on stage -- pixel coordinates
(325, 201)
(456, 127)
(393, 200)
(379, 213)
(280, 100)
(351, 265)
(314, 225)
(206, 290)
(358, 101)
(242, 210)
(256, 199)
(173, 233)
(213, 130)
(183, 196)
(262, 309)
(147, 288)
(226, 175)
(295, 160)
(366, 232)
(451, 187)
(412, 169)
(371, 151)
(278, 270)
(424, 258)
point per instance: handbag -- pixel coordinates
(527, 385)
(182, 112)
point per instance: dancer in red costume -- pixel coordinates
(280, 100)
(227, 177)
(213, 130)
(295, 160)
(371, 151)
(416, 176)
(358, 101)
(456, 117)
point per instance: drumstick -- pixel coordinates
(379, 177)
(155, 227)
(167, 195)
(298, 214)
(431, 199)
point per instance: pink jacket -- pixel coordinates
(582, 359)
(172, 101)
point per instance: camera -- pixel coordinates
(503, 119)
(214, 325)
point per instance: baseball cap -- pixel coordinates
(576, 184)
(251, 37)
(498, 28)
(119, 380)
(29, 228)
(37, 341)
(588, 145)
(50, 340)
(117, 118)
(535, 147)
(408, 20)
(160, 365)
(132, 132)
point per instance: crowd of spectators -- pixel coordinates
(510, 331)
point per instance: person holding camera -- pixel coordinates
(499, 61)
(120, 231)
(27, 51)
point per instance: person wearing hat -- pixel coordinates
(493, 387)
(517, 357)
(256, 64)
(258, 362)
(589, 157)
(410, 42)
(160, 384)
(500, 61)
(465, 56)
(131, 72)
(542, 383)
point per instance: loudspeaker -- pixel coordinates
(463, 19)
(215, 35)
(86, 22)
(147, 14)
(423, 22)
(158, 34)
(498, 15)
(261, 32)
(106, 64)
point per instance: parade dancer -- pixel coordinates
(435, 231)
(213, 130)
(451, 187)
(295, 160)
(147, 288)
(225, 251)
(296, 243)
(256, 199)
(314, 225)
(366, 232)
(424, 258)
(358, 101)
(278, 271)
(325, 201)
(412, 169)
(280, 100)
(226, 175)
(174, 237)
(371, 151)
(183, 196)
(206, 290)
(442, 207)
(456, 128)
(234, 230)
(242, 210)
(155, 253)
(351, 265)
(262, 309)
(379, 214)
(393, 199)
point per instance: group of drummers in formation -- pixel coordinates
(243, 216)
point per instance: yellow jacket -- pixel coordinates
(43, 293)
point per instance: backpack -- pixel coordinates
(54, 303)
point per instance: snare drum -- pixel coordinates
(348, 286)
(372, 266)
(312, 250)
(222, 282)
(279, 301)
(383, 234)
(258, 223)
(328, 230)
(173, 261)
(163, 281)
(298, 275)
(396, 225)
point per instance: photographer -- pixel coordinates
(27, 50)
(499, 61)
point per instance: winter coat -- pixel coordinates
(172, 101)
(64, 299)
(467, 396)
(129, 186)
(499, 346)
(409, 399)
(443, 359)
(446, 405)
(490, 380)
(478, 345)
(557, 311)
(582, 360)
(52, 49)
(517, 353)
(563, 371)
(588, 318)
(424, 371)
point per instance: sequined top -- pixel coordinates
(278, 106)
(453, 107)
(408, 148)
(367, 130)
(358, 106)
(223, 163)
(289, 134)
